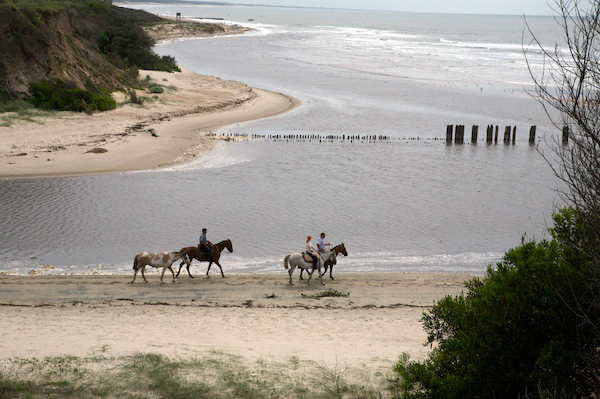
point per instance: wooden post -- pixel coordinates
(514, 136)
(496, 135)
(490, 134)
(474, 132)
(532, 130)
(565, 136)
(507, 135)
(449, 129)
(459, 137)
(178, 17)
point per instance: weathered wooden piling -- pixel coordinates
(459, 137)
(532, 130)
(474, 132)
(507, 135)
(496, 135)
(449, 130)
(490, 134)
(514, 135)
(565, 134)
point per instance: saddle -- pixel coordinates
(307, 258)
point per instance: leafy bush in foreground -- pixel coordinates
(65, 96)
(514, 333)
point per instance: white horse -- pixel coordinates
(297, 260)
(163, 259)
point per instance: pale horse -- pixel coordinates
(163, 259)
(297, 260)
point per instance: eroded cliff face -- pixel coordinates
(37, 45)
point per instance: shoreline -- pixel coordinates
(255, 316)
(171, 129)
(168, 129)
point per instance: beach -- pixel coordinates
(163, 129)
(253, 316)
(69, 144)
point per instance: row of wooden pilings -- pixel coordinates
(311, 137)
(510, 134)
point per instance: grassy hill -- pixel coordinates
(87, 43)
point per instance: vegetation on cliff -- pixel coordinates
(84, 48)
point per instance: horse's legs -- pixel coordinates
(292, 267)
(218, 264)
(209, 265)
(301, 271)
(144, 268)
(134, 275)
(330, 273)
(172, 272)
(188, 268)
(321, 275)
(310, 276)
(180, 266)
(163, 274)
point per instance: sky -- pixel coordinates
(511, 7)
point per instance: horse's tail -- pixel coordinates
(135, 263)
(285, 261)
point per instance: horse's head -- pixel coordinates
(229, 245)
(180, 255)
(340, 249)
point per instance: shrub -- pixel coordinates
(513, 334)
(156, 89)
(66, 96)
(128, 46)
(14, 106)
(133, 97)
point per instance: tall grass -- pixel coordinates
(217, 375)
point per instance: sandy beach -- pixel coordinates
(166, 129)
(255, 316)
(68, 143)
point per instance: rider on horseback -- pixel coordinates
(321, 244)
(204, 244)
(309, 250)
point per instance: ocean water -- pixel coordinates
(410, 203)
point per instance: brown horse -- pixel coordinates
(215, 254)
(338, 249)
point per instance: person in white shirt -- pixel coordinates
(321, 244)
(204, 244)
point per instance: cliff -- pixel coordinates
(58, 39)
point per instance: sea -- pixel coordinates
(407, 201)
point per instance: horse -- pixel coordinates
(215, 254)
(297, 260)
(163, 259)
(337, 249)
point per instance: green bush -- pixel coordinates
(156, 89)
(14, 106)
(66, 96)
(128, 46)
(514, 333)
